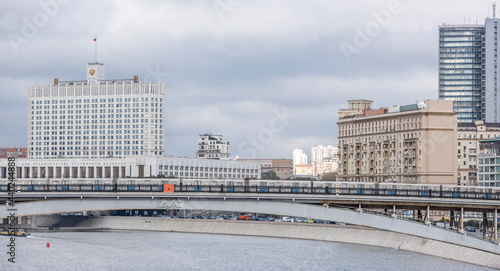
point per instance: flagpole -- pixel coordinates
(95, 49)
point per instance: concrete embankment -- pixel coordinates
(346, 234)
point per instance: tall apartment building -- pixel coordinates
(212, 147)
(408, 144)
(468, 73)
(96, 118)
(299, 157)
(460, 57)
(319, 154)
(489, 77)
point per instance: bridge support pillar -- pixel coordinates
(394, 215)
(359, 209)
(495, 226)
(485, 224)
(461, 221)
(452, 220)
(427, 220)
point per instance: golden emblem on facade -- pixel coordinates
(92, 71)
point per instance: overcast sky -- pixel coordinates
(269, 75)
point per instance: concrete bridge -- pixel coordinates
(324, 207)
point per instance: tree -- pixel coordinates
(330, 177)
(270, 175)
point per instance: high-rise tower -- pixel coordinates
(489, 88)
(460, 58)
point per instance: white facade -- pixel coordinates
(96, 118)
(213, 147)
(299, 157)
(318, 154)
(105, 170)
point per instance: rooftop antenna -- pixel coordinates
(494, 10)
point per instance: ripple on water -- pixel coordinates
(129, 250)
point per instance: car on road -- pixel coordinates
(470, 229)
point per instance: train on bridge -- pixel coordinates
(261, 186)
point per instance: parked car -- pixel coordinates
(470, 229)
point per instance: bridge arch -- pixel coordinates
(248, 205)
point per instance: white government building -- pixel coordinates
(99, 130)
(96, 118)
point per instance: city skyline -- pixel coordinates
(228, 74)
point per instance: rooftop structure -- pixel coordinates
(213, 147)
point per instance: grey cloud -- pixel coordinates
(227, 76)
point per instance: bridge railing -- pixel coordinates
(252, 189)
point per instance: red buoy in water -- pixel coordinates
(48, 245)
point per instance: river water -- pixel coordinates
(128, 250)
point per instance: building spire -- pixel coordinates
(494, 10)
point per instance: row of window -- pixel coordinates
(76, 154)
(109, 100)
(118, 105)
(207, 169)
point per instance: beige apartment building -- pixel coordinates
(468, 137)
(413, 143)
(303, 171)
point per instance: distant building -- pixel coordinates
(489, 162)
(328, 165)
(468, 137)
(299, 157)
(305, 171)
(119, 170)
(213, 147)
(282, 167)
(13, 152)
(412, 143)
(318, 155)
